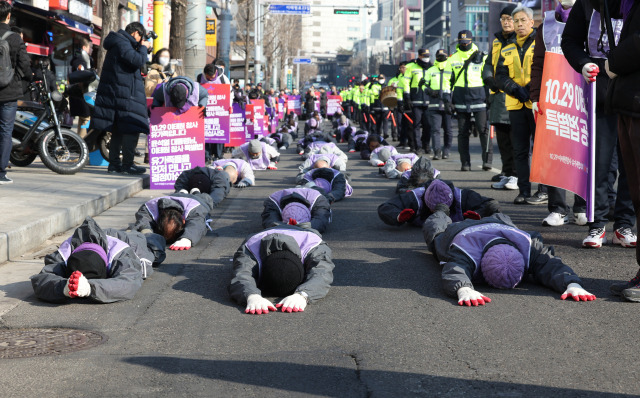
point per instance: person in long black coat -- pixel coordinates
(121, 104)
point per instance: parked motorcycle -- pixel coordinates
(78, 80)
(37, 131)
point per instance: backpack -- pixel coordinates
(6, 66)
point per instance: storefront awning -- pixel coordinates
(74, 25)
(34, 10)
(95, 39)
(36, 49)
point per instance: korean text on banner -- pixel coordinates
(334, 104)
(249, 127)
(258, 117)
(176, 144)
(281, 110)
(294, 104)
(237, 128)
(563, 151)
(216, 123)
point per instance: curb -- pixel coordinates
(32, 234)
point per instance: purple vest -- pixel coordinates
(457, 214)
(552, 32)
(311, 195)
(361, 135)
(187, 204)
(268, 140)
(305, 240)
(216, 80)
(341, 129)
(391, 149)
(474, 239)
(407, 174)
(114, 247)
(348, 191)
(192, 98)
(411, 156)
(419, 194)
(256, 164)
(316, 145)
(594, 35)
(238, 162)
(332, 158)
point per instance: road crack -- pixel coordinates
(357, 360)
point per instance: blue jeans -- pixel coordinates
(7, 118)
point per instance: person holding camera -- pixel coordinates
(121, 104)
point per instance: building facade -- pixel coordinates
(407, 27)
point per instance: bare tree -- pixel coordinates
(110, 22)
(244, 44)
(177, 32)
(308, 73)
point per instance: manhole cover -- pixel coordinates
(24, 343)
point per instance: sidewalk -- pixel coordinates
(41, 203)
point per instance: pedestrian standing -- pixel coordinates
(418, 100)
(11, 87)
(77, 105)
(121, 104)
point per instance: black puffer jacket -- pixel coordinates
(20, 61)
(120, 98)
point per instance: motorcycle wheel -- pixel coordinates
(22, 159)
(68, 157)
(103, 144)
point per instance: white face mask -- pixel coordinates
(381, 81)
(164, 61)
(424, 59)
(567, 3)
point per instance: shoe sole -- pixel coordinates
(6, 182)
(546, 224)
(511, 187)
(535, 203)
(615, 241)
(591, 245)
(632, 299)
(499, 188)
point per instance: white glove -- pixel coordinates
(256, 304)
(296, 303)
(590, 71)
(606, 68)
(535, 108)
(468, 296)
(181, 244)
(576, 291)
(242, 184)
(77, 286)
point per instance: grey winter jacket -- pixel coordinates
(317, 263)
(459, 269)
(220, 184)
(125, 275)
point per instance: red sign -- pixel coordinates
(58, 4)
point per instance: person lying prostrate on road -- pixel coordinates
(204, 181)
(420, 173)
(340, 125)
(286, 261)
(180, 92)
(494, 251)
(333, 184)
(381, 154)
(358, 141)
(373, 141)
(102, 265)
(318, 160)
(327, 148)
(259, 155)
(240, 172)
(398, 164)
(305, 207)
(317, 138)
(415, 206)
(180, 218)
(311, 126)
(283, 138)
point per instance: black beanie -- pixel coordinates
(507, 10)
(200, 181)
(89, 263)
(282, 272)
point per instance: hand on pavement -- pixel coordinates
(272, 167)
(77, 286)
(576, 292)
(468, 296)
(406, 215)
(295, 303)
(590, 71)
(380, 164)
(292, 221)
(472, 215)
(609, 73)
(181, 244)
(256, 304)
(242, 184)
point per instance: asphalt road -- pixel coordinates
(385, 329)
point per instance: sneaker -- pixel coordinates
(520, 199)
(445, 154)
(618, 288)
(500, 184)
(497, 177)
(5, 180)
(114, 169)
(555, 219)
(512, 184)
(465, 168)
(282, 148)
(437, 154)
(624, 237)
(632, 294)
(301, 153)
(594, 240)
(428, 151)
(486, 166)
(408, 148)
(352, 150)
(538, 198)
(134, 170)
(580, 218)
(419, 152)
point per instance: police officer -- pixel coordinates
(397, 82)
(346, 95)
(498, 114)
(469, 98)
(515, 60)
(404, 119)
(438, 81)
(418, 99)
(378, 111)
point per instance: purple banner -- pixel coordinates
(237, 128)
(334, 104)
(176, 144)
(216, 123)
(294, 105)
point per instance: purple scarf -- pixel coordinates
(625, 8)
(562, 13)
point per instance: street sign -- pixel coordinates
(302, 60)
(346, 12)
(289, 9)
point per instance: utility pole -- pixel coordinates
(195, 55)
(224, 41)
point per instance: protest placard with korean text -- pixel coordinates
(237, 130)
(216, 124)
